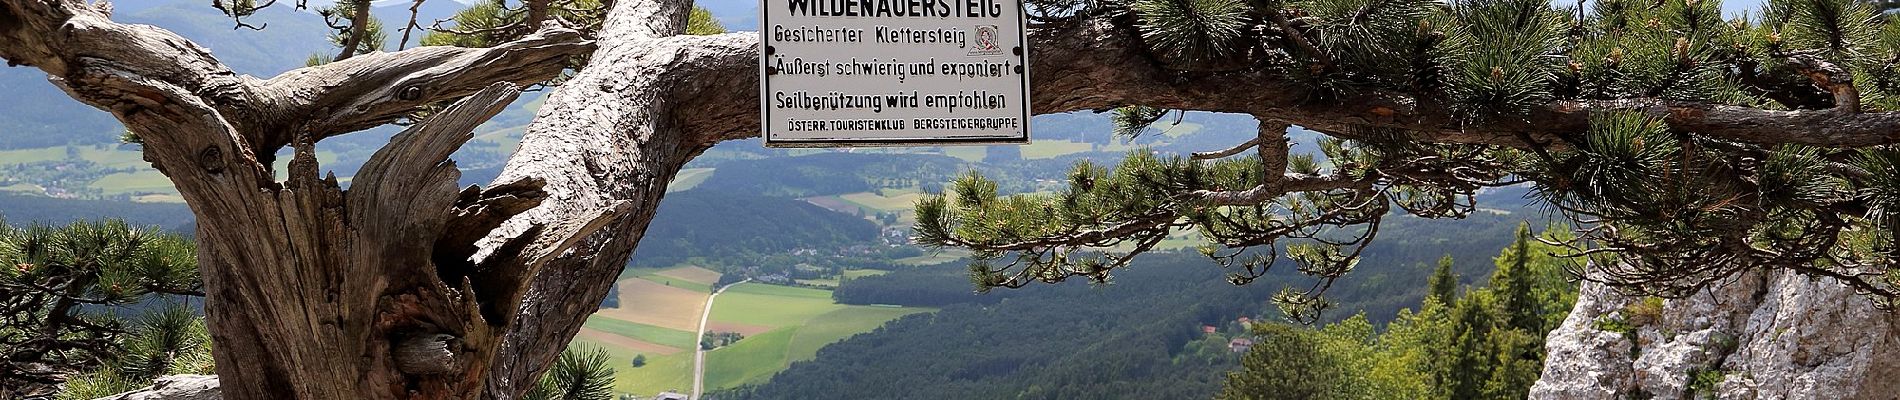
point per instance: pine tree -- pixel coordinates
(1686, 148)
(1473, 356)
(1282, 365)
(1514, 285)
(1443, 285)
(66, 292)
(1589, 105)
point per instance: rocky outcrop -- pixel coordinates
(175, 387)
(1775, 335)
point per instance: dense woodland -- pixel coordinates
(1387, 281)
(1480, 342)
(727, 228)
(1675, 137)
(25, 208)
(832, 173)
(1073, 341)
(1141, 337)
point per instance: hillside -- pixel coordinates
(712, 224)
(1128, 340)
(40, 115)
(21, 209)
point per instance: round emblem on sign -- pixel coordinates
(986, 42)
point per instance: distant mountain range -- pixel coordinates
(37, 114)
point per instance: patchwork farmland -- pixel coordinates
(659, 310)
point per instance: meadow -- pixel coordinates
(659, 311)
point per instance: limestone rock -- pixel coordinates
(1774, 335)
(175, 387)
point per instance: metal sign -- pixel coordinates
(893, 72)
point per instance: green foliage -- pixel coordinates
(479, 25)
(1665, 208)
(1375, 40)
(1514, 284)
(771, 230)
(1473, 347)
(340, 15)
(1132, 121)
(1284, 365)
(1138, 338)
(1673, 50)
(1613, 324)
(1443, 284)
(97, 384)
(1644, 311)
(702, 22)
(1843, 30)
(1703, 383)
(580, 374)
(67, 289)
(167, 342)
(1193, 30)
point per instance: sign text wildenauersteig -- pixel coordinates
(893, 72)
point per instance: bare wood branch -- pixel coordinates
(1093, 64)
(1324, 61)
(1832, 78)
(378, 88)
(1228, 152)
(359, 23)
(411, 25)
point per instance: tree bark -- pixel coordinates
(314, 292)
(404, 287)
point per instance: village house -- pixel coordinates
(1240, 345)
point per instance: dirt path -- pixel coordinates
(699, 353)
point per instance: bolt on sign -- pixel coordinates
(893, 72)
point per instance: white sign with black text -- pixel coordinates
(893, 72)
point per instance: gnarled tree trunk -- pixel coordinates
(404, 287)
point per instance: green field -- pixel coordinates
(688, 179)
(848, 275)
(661, 373)
(653, 334)
(966, 153)
(939, 257)
(31, 155)
(839, 324)
(755, 357)
(110, 156)
(1041, 149)
(772, 306)
(653, 274)
(145, 183)
(886, 201)
(792, 323)
(860, 273)
(142, 182)
(679, 283)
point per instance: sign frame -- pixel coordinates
(1021, 51)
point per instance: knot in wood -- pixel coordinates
(426, 354)
(211, 159)
(410, 93)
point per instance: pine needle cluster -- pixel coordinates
(71, 300)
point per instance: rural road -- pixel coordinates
(699, 353)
